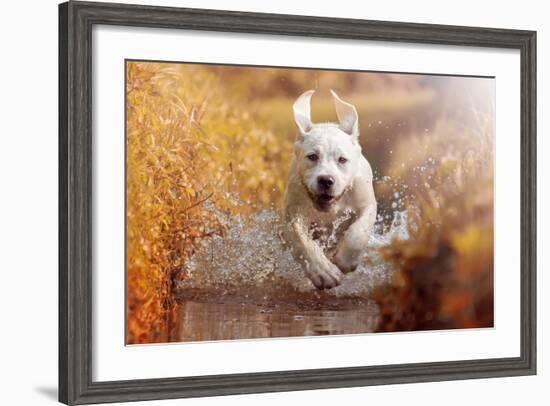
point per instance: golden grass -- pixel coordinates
(185, 148)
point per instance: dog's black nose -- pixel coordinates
(325, 182)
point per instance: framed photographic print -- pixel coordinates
(259, 202)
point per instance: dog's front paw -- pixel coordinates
(346, 262)
(325, 275)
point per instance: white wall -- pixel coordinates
(28, 203)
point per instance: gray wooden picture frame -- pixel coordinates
(76, 20)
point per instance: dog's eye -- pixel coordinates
(313, 157)
(342, 160)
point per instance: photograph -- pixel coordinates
(266, 202)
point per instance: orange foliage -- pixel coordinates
(444, 271)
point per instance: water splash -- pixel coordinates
(250, 264)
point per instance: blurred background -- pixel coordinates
(201, 137)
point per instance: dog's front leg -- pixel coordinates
(322, 273)
(354, 241)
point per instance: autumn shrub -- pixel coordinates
(444, 271)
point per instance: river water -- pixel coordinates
(246, 285)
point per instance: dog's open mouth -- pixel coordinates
(324, 201)
(325, 198)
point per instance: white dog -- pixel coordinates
(330, 206)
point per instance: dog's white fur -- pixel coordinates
(328, 228)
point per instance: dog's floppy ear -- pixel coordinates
(347, 115)
(302, 112)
